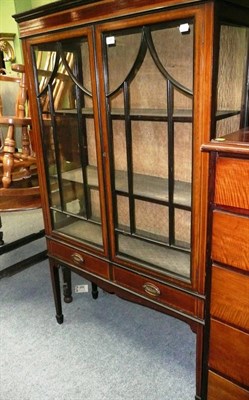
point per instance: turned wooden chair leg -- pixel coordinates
(95, 292)
(67, 285)
(8, 157)
(1, 234)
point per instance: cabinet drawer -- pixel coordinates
(78, 259)
(220, 388)
(230, 244)
(160, 293)
(232, 182)
(230, 297)
(229, 352)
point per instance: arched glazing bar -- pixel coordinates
(75, 74)
(145, 44)
(47, 91)
(125, 88)
(172, 84)
(60, 55)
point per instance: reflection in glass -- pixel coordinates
(66, 108)
(232, 76)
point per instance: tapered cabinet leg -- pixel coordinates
(55, 278)
(200, 384)
(67, 285)
(1, 234)
(95, 292)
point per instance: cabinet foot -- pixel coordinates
(68, 299)
(60, 319)
(95, 292)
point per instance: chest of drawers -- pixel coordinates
(227, 332)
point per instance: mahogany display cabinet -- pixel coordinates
(124, 93)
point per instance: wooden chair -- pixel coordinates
(19, 187)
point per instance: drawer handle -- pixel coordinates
(151, 289)
(77, 258)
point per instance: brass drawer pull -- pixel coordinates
(151, 289)
(77, 258)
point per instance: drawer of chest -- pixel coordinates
(162, 294)
(230, 244)
(78, 259)
(232, 182)
(220, 388)
(229, 352)
(230, 297)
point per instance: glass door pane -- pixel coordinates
(232, 79)
(149, 98)
(66, 110)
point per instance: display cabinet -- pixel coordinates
(124, 94)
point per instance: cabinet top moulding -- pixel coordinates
(67, 13)
(236, 142)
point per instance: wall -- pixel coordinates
(8, 92)
(38, 3)
(8, 24)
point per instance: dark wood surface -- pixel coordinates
(178, 300)
(236, 142)
(79, 259)
(63, 5)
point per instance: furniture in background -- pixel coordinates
(124, 183)
(19, 188)
(18, 166)
(227, 323)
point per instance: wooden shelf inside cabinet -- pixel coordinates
(151, 187)
(138, 114)
(152, 114)
(73, 228)
(168, 259)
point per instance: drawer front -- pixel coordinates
(221, 389)
(230, 243)
(78, 259)
(232, 182)
(230, 297)
(160, 293)
(229, 352)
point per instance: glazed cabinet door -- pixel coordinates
(148, 79)
(65, 88)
